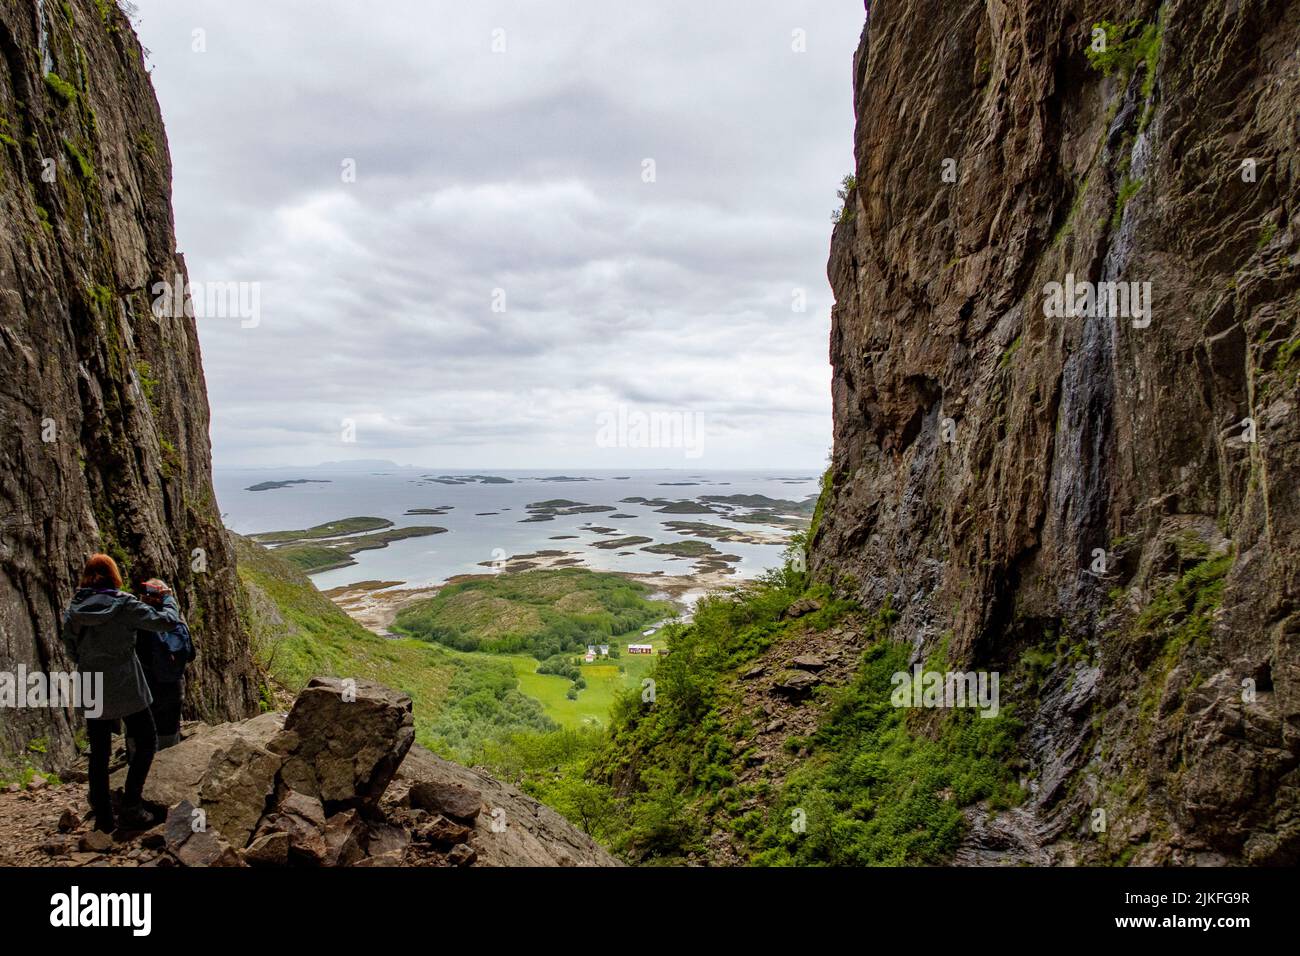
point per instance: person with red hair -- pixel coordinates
(99, 631)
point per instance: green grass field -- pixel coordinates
(605, 678)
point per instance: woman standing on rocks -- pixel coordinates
(99, 631)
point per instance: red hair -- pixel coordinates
(101, 572)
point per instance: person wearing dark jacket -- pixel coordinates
(99, 631)
(166, 680)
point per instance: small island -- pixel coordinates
(332, 545)
(272, 485)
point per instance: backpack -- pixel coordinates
(172, 651)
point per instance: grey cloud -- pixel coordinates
(519, 171)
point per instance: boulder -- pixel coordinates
(322, 771)
(58, 846)
(345, 747)
(179, 825)
(442, 832)
(236, 788)
(309, 808)
(801, 608)
(513, 829)
(96, 841)
(193, 847)
(446, 797)
(795, 685)
(306, 840)
(461, 855)
(809, 662)
(384, 838)
(270, 849)
(226, 770)
(207, 848)
(345, 834)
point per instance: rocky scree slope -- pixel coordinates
(986, 456)
(103, 410)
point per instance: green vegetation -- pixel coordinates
(1266, 234)
(1178, 617)
(148, 383)
(313, 558)
(540, 613)
(845, 212)
(337, 553)
(683, 747)
(631, 541)
(682, 549)
(461, 702)
(484, 705)
(823, 501)
(1127, 190)
(1010, 352)
(1067, 227)
(1282, 363)
(171, 459)
(101, 296)
(330, 529)
(84, 166)
(874, 793)
(62, 90)
(20, 769)
(1125, 46)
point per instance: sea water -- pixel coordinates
(485, 521)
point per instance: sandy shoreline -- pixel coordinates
(375, 604)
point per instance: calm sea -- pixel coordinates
(485, 520)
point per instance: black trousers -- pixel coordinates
(167, 706)
(139, 726)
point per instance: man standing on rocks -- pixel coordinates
(164, 656)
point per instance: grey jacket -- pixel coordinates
(99, 632)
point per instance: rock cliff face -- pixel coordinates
(1122, 495)
(103, 410)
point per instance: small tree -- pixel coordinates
(847, 187)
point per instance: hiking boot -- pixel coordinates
(103, 817)
(134, 816)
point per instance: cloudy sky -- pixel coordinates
(482, 235)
